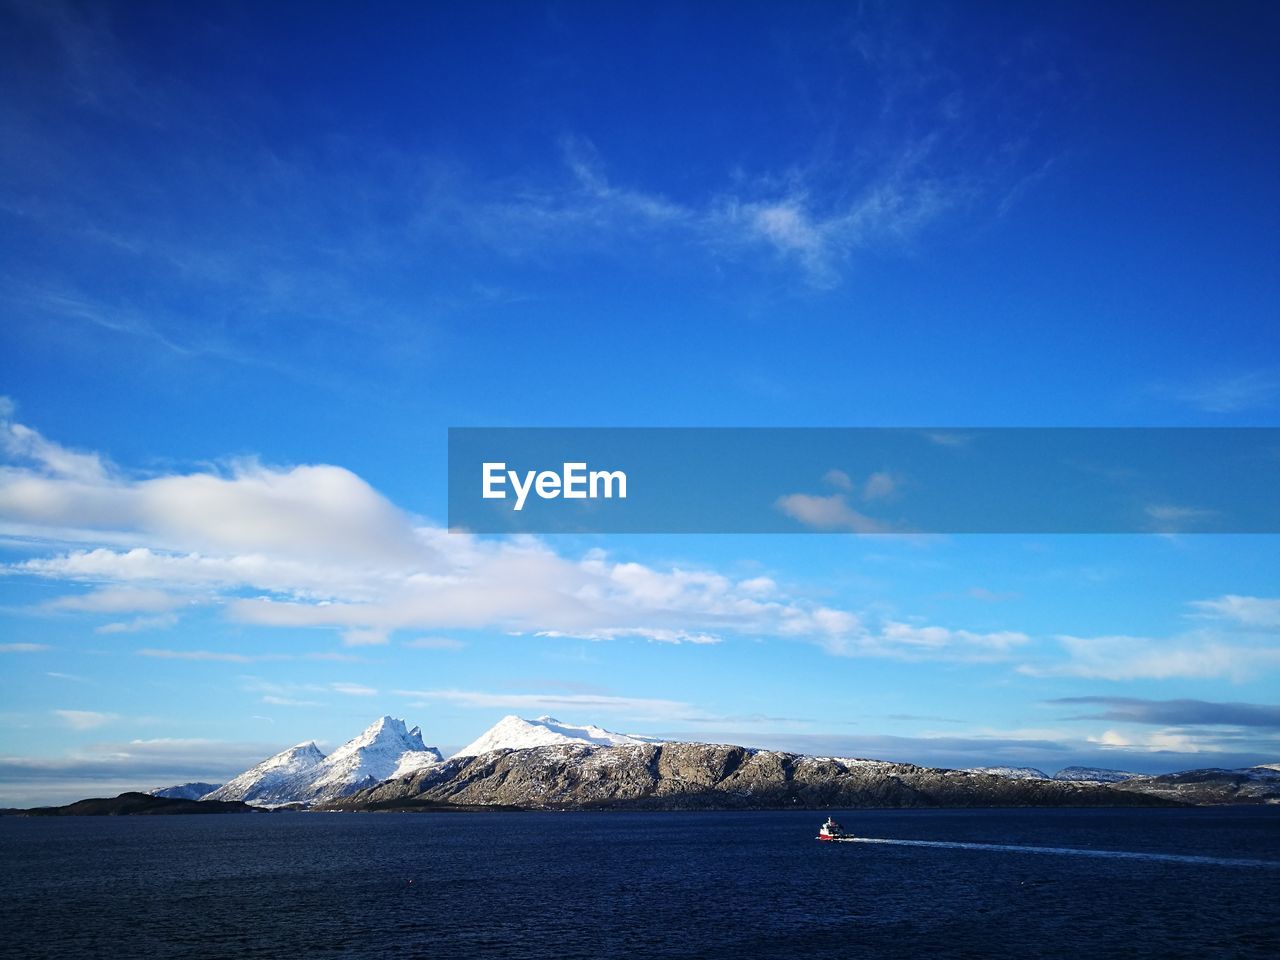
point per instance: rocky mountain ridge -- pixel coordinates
(688, 776)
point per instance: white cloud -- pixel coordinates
(24, 647)
(21, 442)
(1174, 518)
(247, 513)
(139, 624)
(938, 637)
(316, 547)
(1201, 655)
(838, 479)
(1248, 611)
(656, 634)
(758, 586)
(906, 641)
(831, 513)
(949, 438)
(880, 486)
(118, 599)
(85, 719)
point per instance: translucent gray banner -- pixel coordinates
(864, 480)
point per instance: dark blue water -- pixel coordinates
(563, 886)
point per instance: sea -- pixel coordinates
(1201, 883)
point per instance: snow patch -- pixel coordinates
(1011, 773)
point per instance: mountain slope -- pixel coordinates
(275, 780)
(516, 733)
(1260, 784)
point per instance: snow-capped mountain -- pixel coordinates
(277, 779)
(185, 791)
(383, 751)
(516, 733)
(1093, 774)
(1012, 773)
(303, 774)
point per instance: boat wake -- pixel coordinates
(1068, 851)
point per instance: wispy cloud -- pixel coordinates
(225, 656)
(1251, 390)
(353, 690)
(24, 444)
(276, 700)
(1175, 518)
(85, 719)
(139, 624)
(655, 634)
(433, 643)
(1247, 611)
(948, 438)
(588, 704)
(799, 220)
(913, 641)
(116, 599)
(1196, 655)
(24, 647)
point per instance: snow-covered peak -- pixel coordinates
(383, 732)
(185, 791)
(384, 749)
(272, 780)
(302, 774)
(516, 733)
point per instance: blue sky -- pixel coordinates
(256, 262)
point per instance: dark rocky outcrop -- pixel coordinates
(689, 776)
(136, 804)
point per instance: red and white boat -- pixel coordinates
(832, 831)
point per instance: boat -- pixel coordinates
(832, 831)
